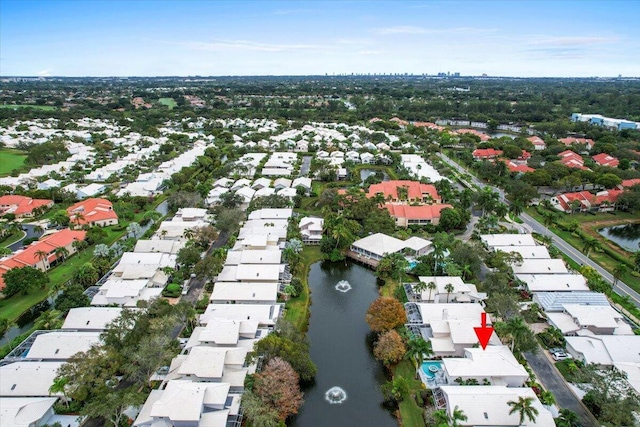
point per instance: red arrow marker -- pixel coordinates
(484, 332)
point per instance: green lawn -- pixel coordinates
(37, 107)
(13, 237)
(298, 308)
(169, 102)
(410, 412)
(10, 160)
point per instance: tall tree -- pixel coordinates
(389, 348)
(277, 387)
(385, 313)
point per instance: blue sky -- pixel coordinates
(160, 38)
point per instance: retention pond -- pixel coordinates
(346, 392)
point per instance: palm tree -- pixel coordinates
(518, 330)
(524, 406)
(516, 208)
(636, 261)
(432, 286)
(163, 234)
(419, 288)
(443, 419)
(418, 348)
(567, 418)
(449, 288)
(546, 240)
(589, 245)
(60, 386)
(619, 271)
(61, 253)
(49, 319)
(134, 229)
(549, 218)
(5, 325)
(42, 256)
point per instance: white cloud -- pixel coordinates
(410, 29)
(370, 52)
(570, 40)
(44, 73)
(401, 29)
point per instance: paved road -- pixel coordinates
(620, 288)
(553, 381)
(305, 166)
(29, 232)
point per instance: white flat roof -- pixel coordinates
(381, 244)
(607, 349)
(183, 400)
(265, 314)
(493, 240)
(157, 245)
(90, 318)
(435, 312)
(534, 252)
(541, 266)
(284, 213)
(597, 316)
(250, 272)
(204, 362)
(230, 291)
(494, 361)
(24, 411)
(61, 345)
(25, 379)
(487, 405)
(258, 256)
(554, 282)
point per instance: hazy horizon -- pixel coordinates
(528, 39)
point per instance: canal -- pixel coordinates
(347, 386)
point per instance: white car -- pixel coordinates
(560, 355)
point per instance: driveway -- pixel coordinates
(553, 381)
(305, 166)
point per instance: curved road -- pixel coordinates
(620, 288)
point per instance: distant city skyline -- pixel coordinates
(214, 38)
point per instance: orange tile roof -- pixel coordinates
(630, 182)
(415, 189)
(536, 140)
(20, 205)
(48, 245)
(571, 140)
(604, 159)
(486, 153)
(91, 210)
(415, 212)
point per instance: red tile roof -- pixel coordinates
(630, 182)
(48, 245)
(603, 159)
(21, 205)
(429, 212)
(91, 211)
(587, 199)
(415, 190)
(536, 140)
(486, 153)
(428, 125)
(514, 167)
(572, 160)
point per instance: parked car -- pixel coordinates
(560, 355)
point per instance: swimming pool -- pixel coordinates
(430, 368)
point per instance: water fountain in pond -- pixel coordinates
(343, 286)
(335, 395)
